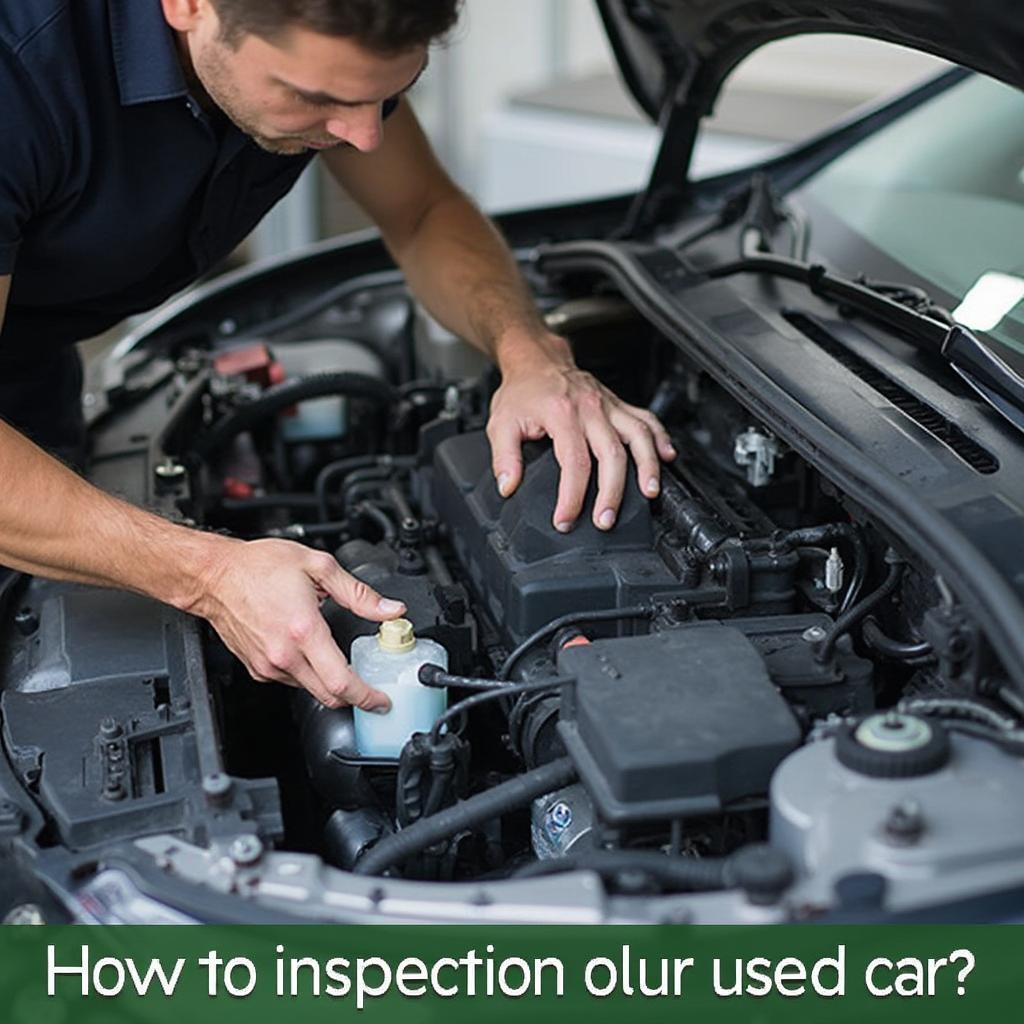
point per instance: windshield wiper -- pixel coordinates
(904, 308)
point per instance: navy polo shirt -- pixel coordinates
(116, 188)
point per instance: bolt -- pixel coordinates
(558, 818)
(227, 327)
(217, 789)
(905, 824)
(26, 622)
(110, 729)
(245, 850)
(814, 635)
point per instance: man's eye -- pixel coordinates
(309, 101)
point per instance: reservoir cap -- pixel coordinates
(396, 636)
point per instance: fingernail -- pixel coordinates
(607, 520)
(671, 451)
(381, 710)
(653, 486)
(388, 607)
(563, 527)
(503, 481)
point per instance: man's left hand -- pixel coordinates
(544, 394)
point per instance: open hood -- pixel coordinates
(681, 51)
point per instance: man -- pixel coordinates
(140, 140)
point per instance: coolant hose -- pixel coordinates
(492, 803)
(291, 392)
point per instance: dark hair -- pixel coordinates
(384, 26)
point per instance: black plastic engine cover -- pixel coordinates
(675, 724)
(526, 572)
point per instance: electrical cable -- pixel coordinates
(489, 694)
(573, 619)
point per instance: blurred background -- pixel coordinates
(525, 107)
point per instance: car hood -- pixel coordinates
(683, 50)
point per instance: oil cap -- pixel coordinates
(396, 636)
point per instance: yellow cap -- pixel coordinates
(396, 636)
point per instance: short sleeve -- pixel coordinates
(28, 156)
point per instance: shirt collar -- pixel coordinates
(145, 55)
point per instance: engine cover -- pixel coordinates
(525, 571)
(674, 724)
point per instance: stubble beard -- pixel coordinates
(211, 78)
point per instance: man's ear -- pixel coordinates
(185, 15)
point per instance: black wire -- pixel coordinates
(436, 677)
(573, 619)
(482, 698)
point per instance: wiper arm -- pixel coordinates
(921, 321)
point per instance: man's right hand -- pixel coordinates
(263, 599)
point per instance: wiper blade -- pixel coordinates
(905, 309)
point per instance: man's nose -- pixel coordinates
(361, 128)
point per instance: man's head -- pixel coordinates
(302, 74)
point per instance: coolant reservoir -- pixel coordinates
(389, 661)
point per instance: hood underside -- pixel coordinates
(683, 50)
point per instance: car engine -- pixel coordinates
(747, 691)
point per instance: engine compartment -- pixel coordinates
(748, 688)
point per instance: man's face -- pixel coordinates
(301, 91)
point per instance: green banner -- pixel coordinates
(85, 975)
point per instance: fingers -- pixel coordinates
(573, 456)
(611, 470)
(349, 592)
(639, 436)
(330, 672)
(663, 443)
(506, 454)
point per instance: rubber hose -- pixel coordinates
(879, 641)
(282, 396)
(850, 618)
(492, 803)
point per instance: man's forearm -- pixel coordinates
(55, 524)
(461, 269)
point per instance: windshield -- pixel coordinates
(940, 192)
